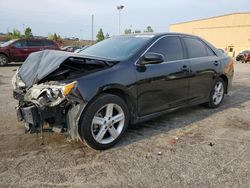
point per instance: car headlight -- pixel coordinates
(68, 88)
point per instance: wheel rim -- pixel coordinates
(3, 60)
(218, 93)
(108, 123)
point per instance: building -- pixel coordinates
(229, 32)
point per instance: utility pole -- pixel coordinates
(119, 8)
(92, 21)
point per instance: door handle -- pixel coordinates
(184, 68)
(216, 63)
(25, 49)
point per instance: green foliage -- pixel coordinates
(100, 36)
(54, 37)
(28, 32)
(149, 30)
(16, 34)
(137, 31)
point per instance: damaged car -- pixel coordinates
(94, 95)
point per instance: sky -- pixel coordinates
(72, 18)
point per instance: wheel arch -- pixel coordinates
(2, 53)
(225, 79)
(123, 93)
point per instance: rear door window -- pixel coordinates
(48, 43)
(169, 47)
(197, 48)
(34, 43)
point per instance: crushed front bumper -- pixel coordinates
(64, 116)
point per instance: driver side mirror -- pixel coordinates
(152, 58)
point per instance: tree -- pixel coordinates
(16, 34)
(28, 32)
(149, 30)
(127, 31)
(54, 37)
(99, 36)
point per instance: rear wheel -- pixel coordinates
(3, 60)
(104, 122)
(217, 94)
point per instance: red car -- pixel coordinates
(17, 50)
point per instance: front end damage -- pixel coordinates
(47, 89)
(54, 104)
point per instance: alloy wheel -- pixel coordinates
(218, 93)
(3, 60)
(107, 124)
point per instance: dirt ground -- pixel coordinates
(212, 149)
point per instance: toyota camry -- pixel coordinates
(94, 95)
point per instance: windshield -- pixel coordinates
(8, 43)
(118, 48)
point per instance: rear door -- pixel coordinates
(48, 44)
(34, 45)
(165, 85)
(204, 66)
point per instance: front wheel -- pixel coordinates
(104, 121)
(3, 60)
(217, 94)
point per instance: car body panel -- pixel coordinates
(149, 90)
(159, 85)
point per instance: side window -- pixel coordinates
(170, 47)
(48, 43)
(210, 52)
(195, 48)
(20, 44)
(34, 43)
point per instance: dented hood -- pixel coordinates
(40, 64)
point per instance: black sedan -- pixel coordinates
(95, 94)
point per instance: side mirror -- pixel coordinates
(12, 46)
(152, 58)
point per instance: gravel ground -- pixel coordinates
(192, 147)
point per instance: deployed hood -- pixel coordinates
(40, 64)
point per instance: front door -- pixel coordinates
(165, 85)
(19, 51)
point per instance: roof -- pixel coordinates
(211, 17)
(156, 34)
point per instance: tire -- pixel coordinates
(99, 125)
(216, 97)
(3, 60)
